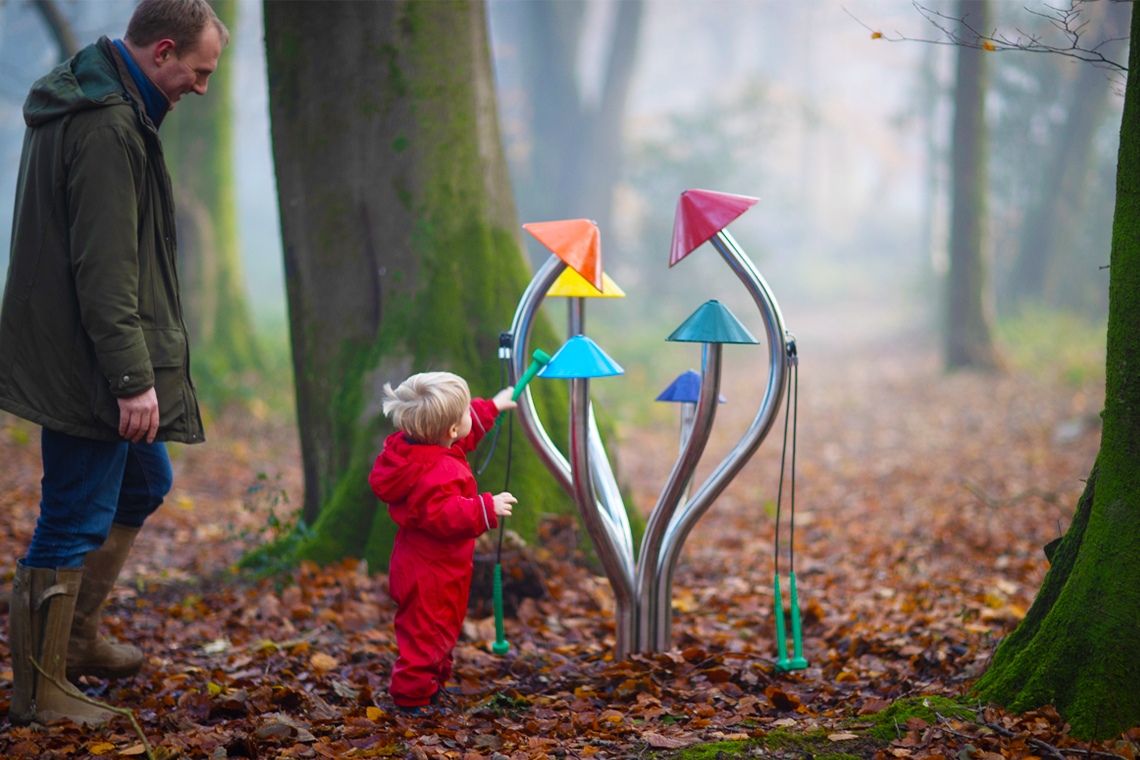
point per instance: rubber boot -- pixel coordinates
(39, 625)
(88, 653)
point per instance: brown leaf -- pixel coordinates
(781, 700)
(665, 742)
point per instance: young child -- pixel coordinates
(423, 476)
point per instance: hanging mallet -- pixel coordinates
(500, 647)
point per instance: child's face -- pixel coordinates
(459, 430)
(464, 425)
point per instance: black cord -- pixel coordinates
(495, 437)
(793, 401)
(795, 421)
(507, 480)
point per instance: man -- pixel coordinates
(92, 341)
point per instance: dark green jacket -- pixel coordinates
(91, 307)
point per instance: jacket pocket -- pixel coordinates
(167, 348)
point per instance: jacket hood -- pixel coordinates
(89, 79)
(400, 466)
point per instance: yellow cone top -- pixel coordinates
(574, 285)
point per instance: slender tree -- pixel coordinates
(402, 248)
(575, 156)
(198, 141)
(967, 336)
(1050, 228)
(1077, 647)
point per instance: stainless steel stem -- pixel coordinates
(601, 532)
(687, 516)
(648, 601)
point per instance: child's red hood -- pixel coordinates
(401, 465)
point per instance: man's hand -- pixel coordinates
(138, 416)
(503, 502)
(503, 401)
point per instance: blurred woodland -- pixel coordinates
(938, 187)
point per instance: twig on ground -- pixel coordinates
(75, 693)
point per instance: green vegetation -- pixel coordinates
(1050, 342)
(888, 722)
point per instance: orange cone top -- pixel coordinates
(575, 241)
(700, 215)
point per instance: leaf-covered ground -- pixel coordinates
(922, 505)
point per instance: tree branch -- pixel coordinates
(1067, 21)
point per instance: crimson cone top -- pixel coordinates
(712, 323)
(686, 389)
(700, 215)
(580, 357)
(575, 241)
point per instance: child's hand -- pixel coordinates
(503, 502)
(503, 401)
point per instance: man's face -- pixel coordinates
(179, 75)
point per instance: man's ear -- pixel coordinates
(164, 52)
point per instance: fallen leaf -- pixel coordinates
(842, 737)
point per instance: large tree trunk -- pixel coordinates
(402, 249)
(198, 141)
(1050, 229)
(1077, 648)
(968, 342)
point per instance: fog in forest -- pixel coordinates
(845, 138)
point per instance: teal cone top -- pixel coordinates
(712, 323)
(580, 357)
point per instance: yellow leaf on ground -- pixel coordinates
(842, 737)
(374, 713)
(138, 749)
(102, 748)
(322, 661)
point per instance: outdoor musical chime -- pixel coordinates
(643, 590)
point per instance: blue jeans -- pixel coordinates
(89, 484)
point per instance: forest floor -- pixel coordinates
(923, 501)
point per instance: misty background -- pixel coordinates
(844, 138)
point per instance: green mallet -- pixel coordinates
(540, 359)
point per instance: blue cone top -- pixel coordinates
(580, 357)
(712, 323)
(686, 389)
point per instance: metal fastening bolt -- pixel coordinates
(126, 378)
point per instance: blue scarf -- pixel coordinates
(154, 100)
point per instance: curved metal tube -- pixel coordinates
(684, 520)
(603, 513)
(520, 358)
(675, 486)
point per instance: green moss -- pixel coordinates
(716, 750)
(887, 722)
(786, 744)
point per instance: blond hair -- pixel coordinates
(181, 21)
(425, 406)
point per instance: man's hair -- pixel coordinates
(179, 20)
(425, 406)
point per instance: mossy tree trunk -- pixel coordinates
(967, 336)
(1077, 648)
(197, 138)
(402, 247)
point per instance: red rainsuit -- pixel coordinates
(432, 496)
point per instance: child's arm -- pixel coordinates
(444, 512)
(483, 414)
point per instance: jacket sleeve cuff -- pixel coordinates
(489, 517)
(128, 371)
